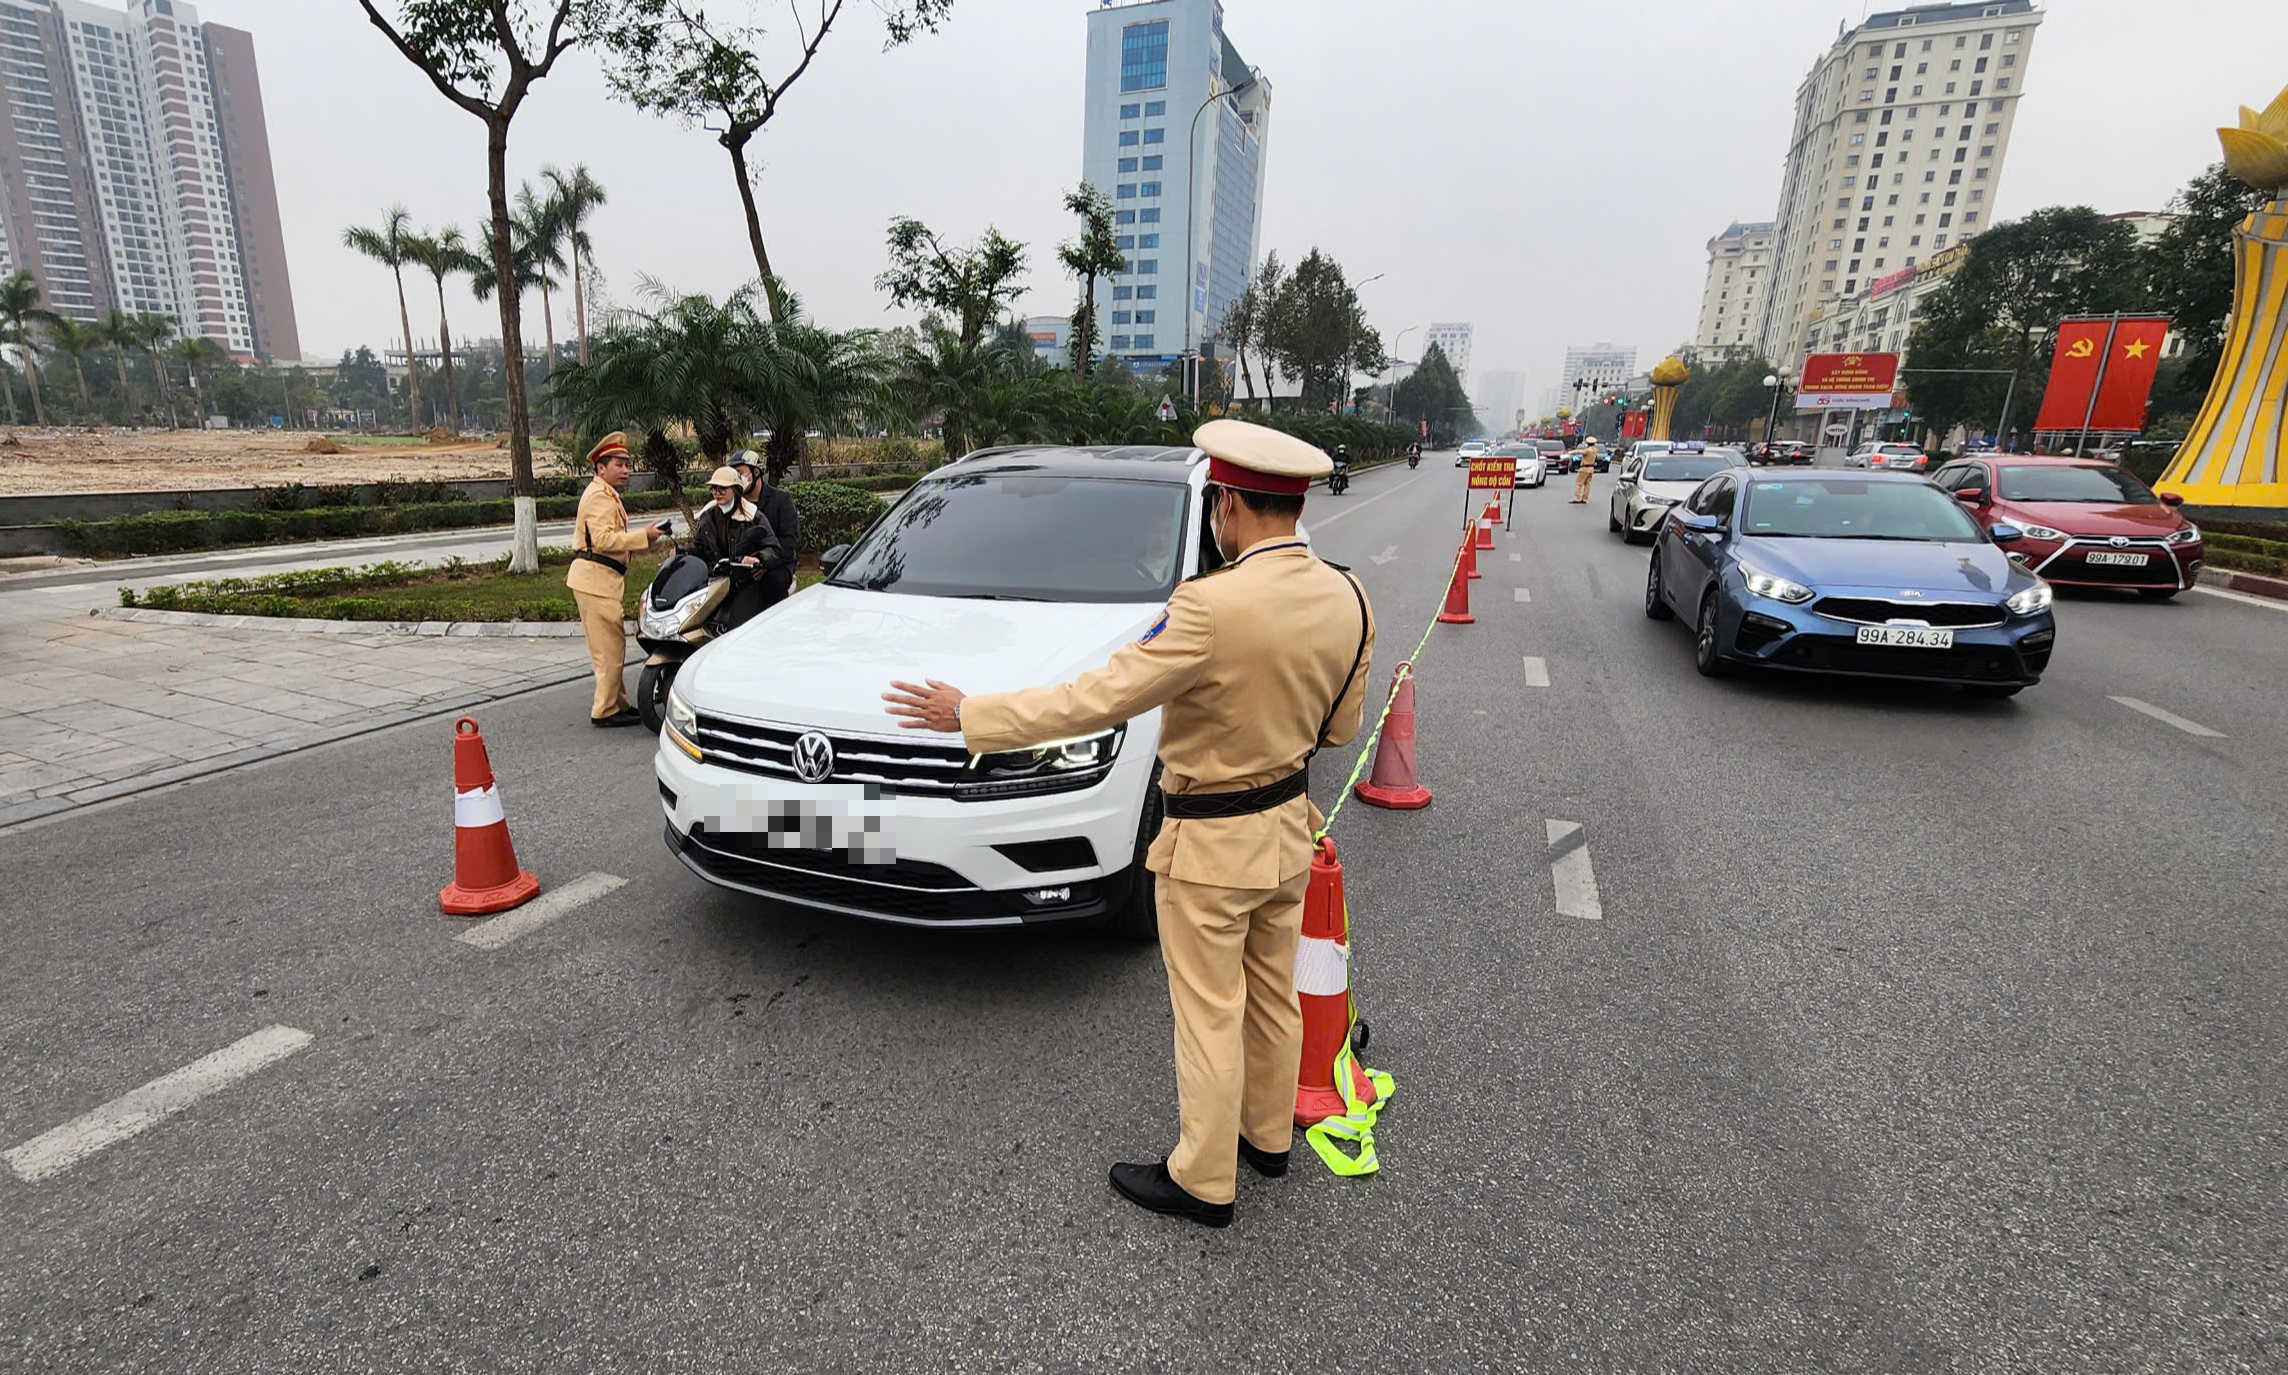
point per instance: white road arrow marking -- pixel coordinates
(1385, 556)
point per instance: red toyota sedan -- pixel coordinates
(2082, 522)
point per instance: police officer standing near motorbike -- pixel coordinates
(601, 543)
(778, 513)
(1258, 665)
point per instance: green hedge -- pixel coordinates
(2272, 565)
(829, 511)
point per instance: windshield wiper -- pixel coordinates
(994, 597)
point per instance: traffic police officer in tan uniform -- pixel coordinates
(1257, 665)
(601, 543)
(1587, 472)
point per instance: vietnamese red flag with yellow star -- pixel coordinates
(2107, 362)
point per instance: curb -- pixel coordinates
(2247, 584)
(311, 625)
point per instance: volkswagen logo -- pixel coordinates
(813, 758)
(2119, 541)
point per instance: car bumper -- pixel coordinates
(2167, 565)
(1645, 517)
(1770, 634)
(912, 861)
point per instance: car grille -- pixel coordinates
(907, 890)
(2159, 570)
(894, 766)
(1882, 611)
(1963, 664)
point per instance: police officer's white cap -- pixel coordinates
(1256, 458)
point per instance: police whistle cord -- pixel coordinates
(1344, 1141)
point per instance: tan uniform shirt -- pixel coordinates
(1246, 662)
(602, 527)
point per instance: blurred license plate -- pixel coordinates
(1906, 636)
(2125, 560)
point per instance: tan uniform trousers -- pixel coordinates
(1239, 1028)
(606, 625)
(1581, 480)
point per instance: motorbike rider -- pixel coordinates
(1340, 480)
(1414, 454)
(778, 511)
(732, 528)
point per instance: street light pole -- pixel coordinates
(1772, 421)
(1191, 206)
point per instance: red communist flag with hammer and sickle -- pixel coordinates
(2102, 374)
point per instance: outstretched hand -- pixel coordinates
(935, 707)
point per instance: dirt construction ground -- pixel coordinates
(36, 461)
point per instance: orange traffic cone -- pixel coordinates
(1485, 539)
(1493, 511)
(1393, 783)
(1470, 557)
(1457, 610)
(1323, 984)
(485, 876)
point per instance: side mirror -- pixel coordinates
(2003, 534)
(1971, 496)
(2172, 498)
(1698, 523)
(828, 561)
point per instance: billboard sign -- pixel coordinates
(1847, 381)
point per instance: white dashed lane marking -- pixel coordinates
(1536, 671)
(2170, 717)
(53, 1152)
(1569, 870)
(1517, 558)
(500, 930)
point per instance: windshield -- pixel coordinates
(2064, 482)
(1025, 537)
(1684, 467)
(1841, 508)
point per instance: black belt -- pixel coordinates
(1247, 802)
(593, 557)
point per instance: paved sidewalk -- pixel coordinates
(93, 708)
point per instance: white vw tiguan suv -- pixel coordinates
(782, 774)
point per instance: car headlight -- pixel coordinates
(2042, 532)
(2191, 534)
(2030, 600)
(1056, 757)
(682, 723)
(1777, 588)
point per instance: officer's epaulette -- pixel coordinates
(1211, 572)
(1338, 567)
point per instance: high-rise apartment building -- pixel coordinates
(135, 170)
(1453, 340)
(1596, 367)
(1174, 133)
(1739, 276)
(1900, 132)
(1500, 399)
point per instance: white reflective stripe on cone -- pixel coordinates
(1322, 967)
(479, 808)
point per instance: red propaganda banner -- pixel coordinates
(1497, 473)
(1634, 424)
(2102, 374)
(1847, 381)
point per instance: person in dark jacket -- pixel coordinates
(778, 511)
(733, 528)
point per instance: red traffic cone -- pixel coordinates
(1393, 783)
(1457, 610)
(1493, 511)
(1470, 557)
(485, 876)
(1485, 539)
(1323, 985)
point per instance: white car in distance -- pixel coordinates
(1656, 477)
(782, 774)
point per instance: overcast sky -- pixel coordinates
(1549, 172)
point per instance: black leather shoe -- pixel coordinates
(626, 716)
(1151, 1188)
(1269, 1164)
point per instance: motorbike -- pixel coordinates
(1339, 481)
(1413, 458)
(681, 611)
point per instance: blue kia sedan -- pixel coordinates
(1873, 574)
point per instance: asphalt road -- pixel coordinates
(1915, 1034)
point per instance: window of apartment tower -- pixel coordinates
(1144, 56)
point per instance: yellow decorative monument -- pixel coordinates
(2232, 456)
(1667, 379)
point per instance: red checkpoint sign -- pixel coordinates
(1499, 474)
(1847, 381)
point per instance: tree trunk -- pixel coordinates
(1088, 305)
(548, 324)
(1249, 377)
(32, 376)
(735, 140)
(524, 548)
(412, 369)
(79, 371)
(579, 304)
(126, 394)
(8, 384)
(452, 419)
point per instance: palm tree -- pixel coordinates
(529, 273)
(828, 378)
(119, 330)
(444, 253)
(979, 389)
(386, 245)
(198, 353)
(573, 197)
(20, 309)
(543, 238)
(153, 331)
(75, 341)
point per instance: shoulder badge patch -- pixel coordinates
(1154, 633)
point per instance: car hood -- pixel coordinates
(2145, 519)
(824, 657)
(1886, 567)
